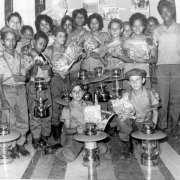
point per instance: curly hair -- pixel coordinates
(98, 17)
(118, 21)
(66, 18)
(58, 29)
(14, 14)
(138, 16)
(41, 34)
(81, 11)
(44, 17)
(155, 20)
(167, 4)
(25, 27)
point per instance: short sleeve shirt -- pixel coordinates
(74, 113)
(10, 65)
(168, 41)
(142, 104)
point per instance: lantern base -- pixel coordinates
(6, 160)
(153, 161)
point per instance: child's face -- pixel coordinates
(28, 34)
(115, 30)
(60, 38)
(9, 41)
(68, 26)
(44, 26)
(166, 14)
(79, 19)
(136, 82)
(40, 45)
(14, 23)
(151, 26)
(127, 31)
(138, 27)
(77, 93)
(94, 25)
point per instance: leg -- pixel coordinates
(163, 78)
(175, 97)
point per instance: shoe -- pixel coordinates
(14, 153)
(43, 141)
(56, 131)
(127, 151)
(22, 150)
(51, 149)
(35, 143)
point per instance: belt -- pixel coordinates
(19, 86)
(33, 82)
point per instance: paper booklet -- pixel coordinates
(94, 114)
(123, 108)
(64, 63)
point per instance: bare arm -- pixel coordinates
(155, 117)
(68, 129)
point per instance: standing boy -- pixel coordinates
(40, 127)
(12, 87)
(58, 81)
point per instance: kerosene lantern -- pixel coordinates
(65, 94)
(98, 71)
(82, 75)
(102, 93)
(6, 139)
(90, 136)
(150, 143)
(117, 86)
(87, 95)
(41, 110)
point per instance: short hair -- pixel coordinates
(25, 27)
(41, 34)
(58, 29)
(98, 17)
(168, 4)
(81, 11)
(155, 20)
(115, 21)
(138, 16)
(67, 18)
(44, 17)
(16, 14)
(5, 30)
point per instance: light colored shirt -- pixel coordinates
(10, 65)
(54, 52)
(168, 41)
(141, 103)
(74, 113)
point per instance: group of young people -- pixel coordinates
(147, 53)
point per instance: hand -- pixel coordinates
(5, 104)
(80, 129)
(19, 78)
(38, 62)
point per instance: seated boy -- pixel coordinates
(73, 118)
(142, 100)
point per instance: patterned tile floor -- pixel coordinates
(38, 166)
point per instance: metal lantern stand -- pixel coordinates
(150, 144)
